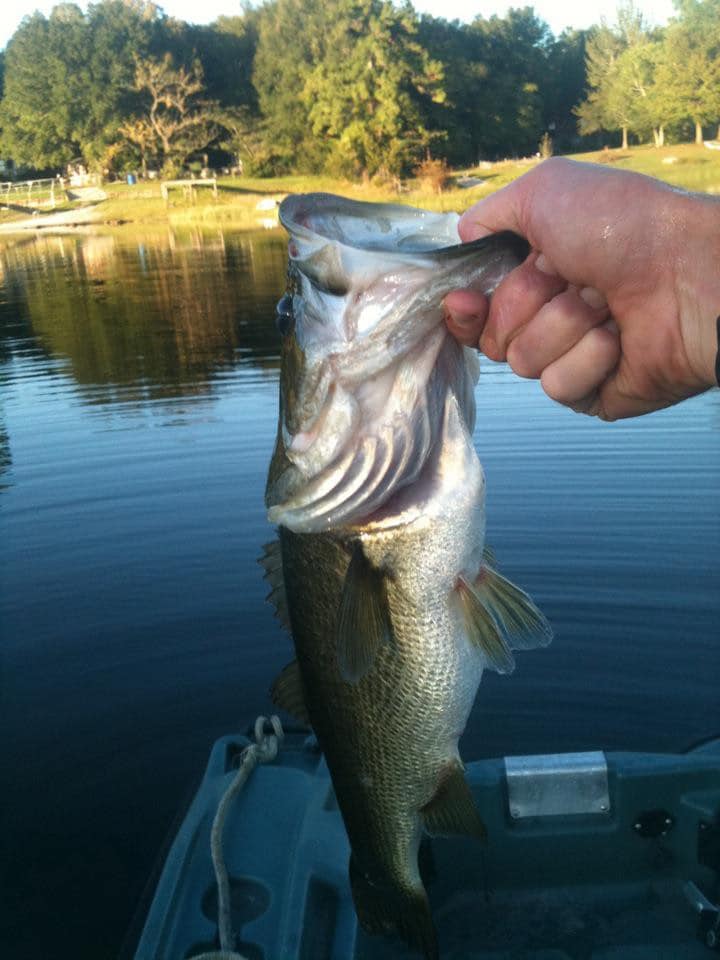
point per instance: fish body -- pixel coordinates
(381, 571)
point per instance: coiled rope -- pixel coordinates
(264, 750)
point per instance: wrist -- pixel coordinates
(698, 286)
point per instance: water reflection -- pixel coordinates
(145, 318)
(5, 457)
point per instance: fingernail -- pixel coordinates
(543, 266)
(593, 298)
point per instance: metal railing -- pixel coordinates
(31, 193)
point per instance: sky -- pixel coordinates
(559, 14)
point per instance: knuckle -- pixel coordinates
(521, 361)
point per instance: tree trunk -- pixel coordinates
(698, 132)
(659, 136)
(624, 138)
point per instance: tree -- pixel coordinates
(563, 87)
(180, 120)
(36, 114)
(139, 132)
(119, 32)
(693, 61)
(226, 50)
(365, 96)
(291, 39)
(513, 51)
(66, 82)
(610, 103)
(242, 136)
(649, 77)
(494, 72)
(455, 118)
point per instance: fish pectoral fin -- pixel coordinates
(523, 625)
(288, 693)
(389, 907)
(452, 809)
(482, 628)
(363, 624)
(271, 561)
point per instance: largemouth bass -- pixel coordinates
(381, 572)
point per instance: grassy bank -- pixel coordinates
(250, 203)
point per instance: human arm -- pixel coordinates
(615, 310)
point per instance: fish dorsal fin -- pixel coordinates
(483, 629)
(452, 810)
(522, 624)
(363, 624)
(384, 907)
(288, 693)
(271, 562)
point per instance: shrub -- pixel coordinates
(433, 174)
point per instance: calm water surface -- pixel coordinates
(139, 388)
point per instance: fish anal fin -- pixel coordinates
(287, 692)
(522, 624)
(271, 562)
(390, 908)
(482, 628)
(452, 809)
(363, 624)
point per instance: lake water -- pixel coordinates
(139, 390)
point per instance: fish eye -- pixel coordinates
(284, 315)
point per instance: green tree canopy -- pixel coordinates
(68, 81)
(344, 83)
(366, 96)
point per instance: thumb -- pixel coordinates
(502, 210)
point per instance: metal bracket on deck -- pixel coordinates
(708, 915)
(557, 785)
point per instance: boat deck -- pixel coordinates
(589, 858)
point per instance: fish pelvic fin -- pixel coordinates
(523, 625)
(384, 908)
(363, 624)
(288, 693)
(271, 562)
(452, 809)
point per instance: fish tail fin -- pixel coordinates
(405, 911)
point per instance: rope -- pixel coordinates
(264, 750)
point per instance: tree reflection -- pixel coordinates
(5, 458)
(149, 317)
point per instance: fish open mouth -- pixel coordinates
(370, 364)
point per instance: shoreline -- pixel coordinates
(65, 219)
(250, 203)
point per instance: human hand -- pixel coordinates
(615, 309)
